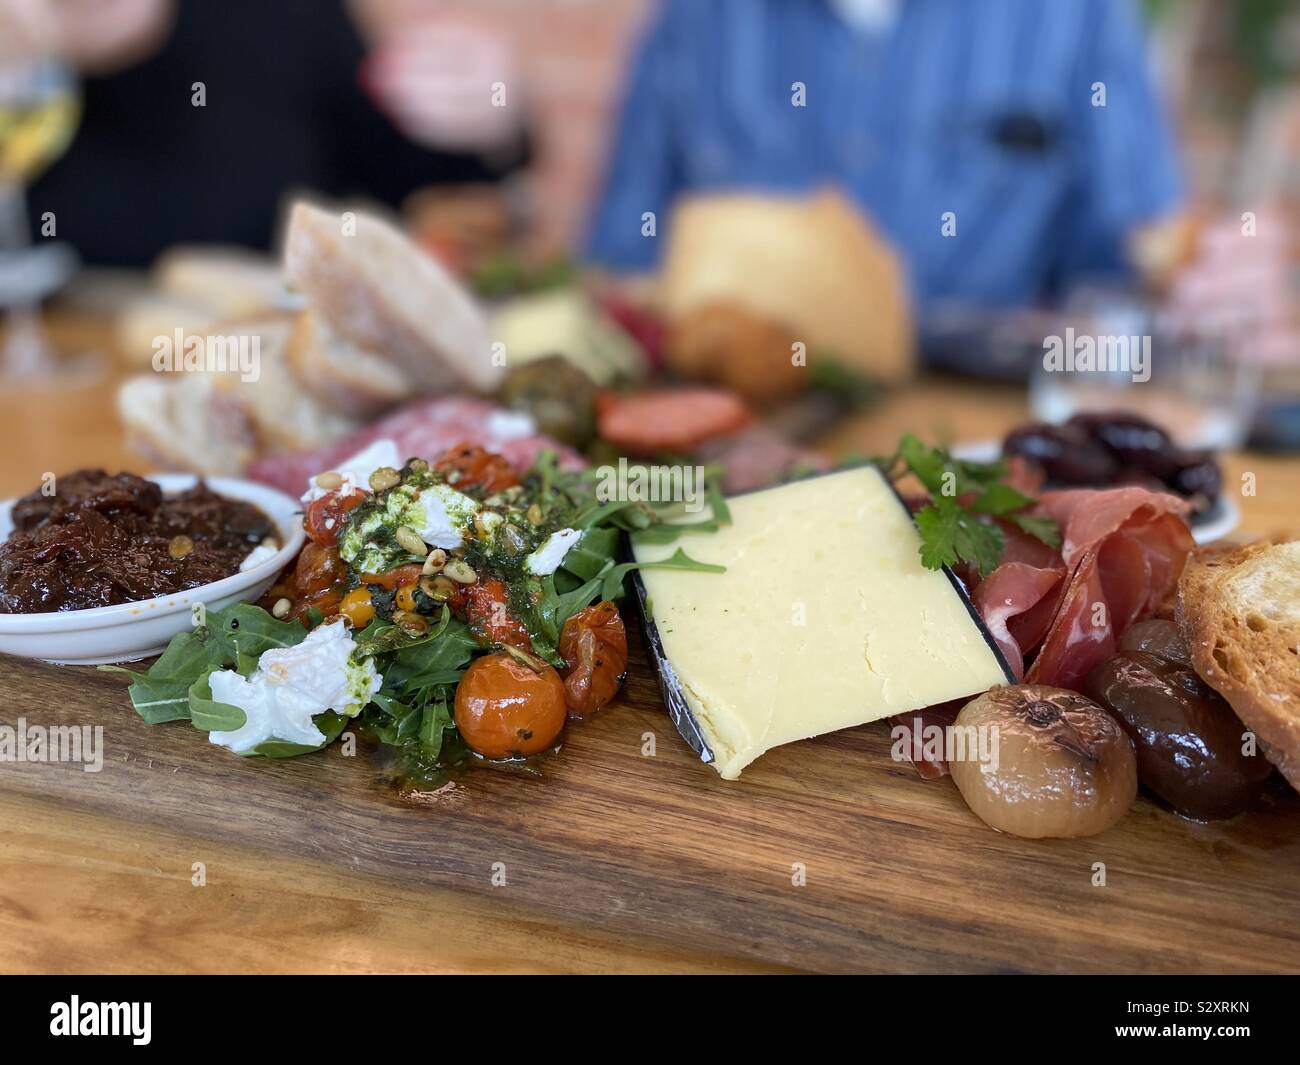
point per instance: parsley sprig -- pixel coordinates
(954, 524)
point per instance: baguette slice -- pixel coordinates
(283, 415)
(227, 282)
(341, 375)
(178, 422)
(215, 422)
(375, 287)
(1239, 611)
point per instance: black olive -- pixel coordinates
(1066, 455)
(1132, 440)
(1197, 475)
(1188, 740)
(1158, 637)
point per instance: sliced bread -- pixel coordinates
(284, 415)
(216, 421)
(342, 375)
(177, 422)
(228, 282)
(375, 287)
(1239, 610)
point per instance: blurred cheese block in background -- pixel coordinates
(813, 265)
(824, 619)
(568, 323)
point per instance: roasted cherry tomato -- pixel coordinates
(318, 568)
(508, 709)
(487, 611)
(358, 608)
(470, 468)
(318, 581)
(594, 643)
(326, 516)
(394, 578)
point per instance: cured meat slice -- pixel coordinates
(424, 430)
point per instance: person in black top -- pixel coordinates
(283, 109)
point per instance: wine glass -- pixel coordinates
(39, 111)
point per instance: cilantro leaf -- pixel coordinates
(1044, 529)
(937, 524)
(953, 532)
(1000, 499)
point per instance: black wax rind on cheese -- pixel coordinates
(670, 687)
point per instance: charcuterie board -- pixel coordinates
(828, 855)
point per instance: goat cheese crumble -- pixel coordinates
(294, 684)
(547, 558)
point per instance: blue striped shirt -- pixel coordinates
(982, 108)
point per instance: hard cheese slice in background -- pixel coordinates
(824, 619)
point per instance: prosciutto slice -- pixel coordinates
(1122, 550)
(1062, 611)
(424, 430)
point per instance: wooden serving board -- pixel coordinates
(900, 876)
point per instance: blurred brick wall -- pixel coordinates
(572, 55)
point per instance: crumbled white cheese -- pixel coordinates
(356, 471)
(263, 552)
(294, 684)
(547, 558)
(502, 425)
(441, 516)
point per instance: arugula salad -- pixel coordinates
(451, 610)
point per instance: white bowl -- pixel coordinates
(130, 631)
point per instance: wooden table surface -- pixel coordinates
(84, 893)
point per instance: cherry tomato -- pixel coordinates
(594, 644)
(318, 568)
(487, 612)
(505, 709)
(357, 607)
(318, 581)
(394, 578)
(469, 467)
(326, 516)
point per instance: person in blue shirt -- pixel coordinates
(1005, 147)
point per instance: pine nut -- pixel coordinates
(384, 478)
(330, 480)
(281, 608)
(439, 588)
(409, 541)
(460, 571)
(410, 623)
(436, 559)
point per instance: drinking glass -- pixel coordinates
(39, 111)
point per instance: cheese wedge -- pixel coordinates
(824, 619)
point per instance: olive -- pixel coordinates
(560, 398)
(1197, 476)
(1063, 767)
(1189, 742)
(1131, 439)
(1065, 454)
(1157, 637)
